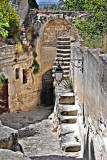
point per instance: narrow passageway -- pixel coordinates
(36, 134)
(44, 143)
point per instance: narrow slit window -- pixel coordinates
(24, 76)
(17, 73)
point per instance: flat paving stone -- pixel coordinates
(22, 119)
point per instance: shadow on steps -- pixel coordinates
(54, 157)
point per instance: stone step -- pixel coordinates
(63, 67)
(64, 39)
(71, 146)
(64, 75)
(68, 98)
(70, 143)
(64, 71)
(63, 59)
(63, 42)
(68, 128)
(64, 63)
(63, 46)
(68, 110)
(62, 55)
(68, 119)
(63, 51)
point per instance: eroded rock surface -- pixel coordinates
(6, 136)
(6, 154)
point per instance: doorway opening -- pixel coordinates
(47, 95)
(4, 98)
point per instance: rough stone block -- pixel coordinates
(67, 100)
(6, 135)
(68, 110)
(68, 128)
(10, 155)
(72, 147)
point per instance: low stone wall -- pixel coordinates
(7, 54)
(91, 87)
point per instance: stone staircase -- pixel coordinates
(63, 55)
(68, 117)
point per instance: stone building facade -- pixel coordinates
(47, 26)
(22, 84)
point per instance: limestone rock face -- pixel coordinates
(10, 155)
(6, 135)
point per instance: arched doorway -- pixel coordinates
(47, 89)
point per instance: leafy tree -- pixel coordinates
(3, 24)
(94, 28)
(12, 18)
(74, 5)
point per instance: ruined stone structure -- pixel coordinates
(47, 26)
(26, 90)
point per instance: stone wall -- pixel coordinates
(36, 18)
(22, 96)
(91, 87)
(21, 7)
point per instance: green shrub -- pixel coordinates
(67, 83)
(12, 18)
(35, 66)
(94, 29)
(74, 5)
(3, 24)
(2, 81)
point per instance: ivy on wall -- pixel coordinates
(35, 64)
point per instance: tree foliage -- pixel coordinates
(94, 28)
(3, 24)
(12, 18)
(74, 5)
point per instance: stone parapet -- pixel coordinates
(7, 54)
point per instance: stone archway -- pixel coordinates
(46, 49)
(47, 89)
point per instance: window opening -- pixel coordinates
(17, 73)
(24, 76)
